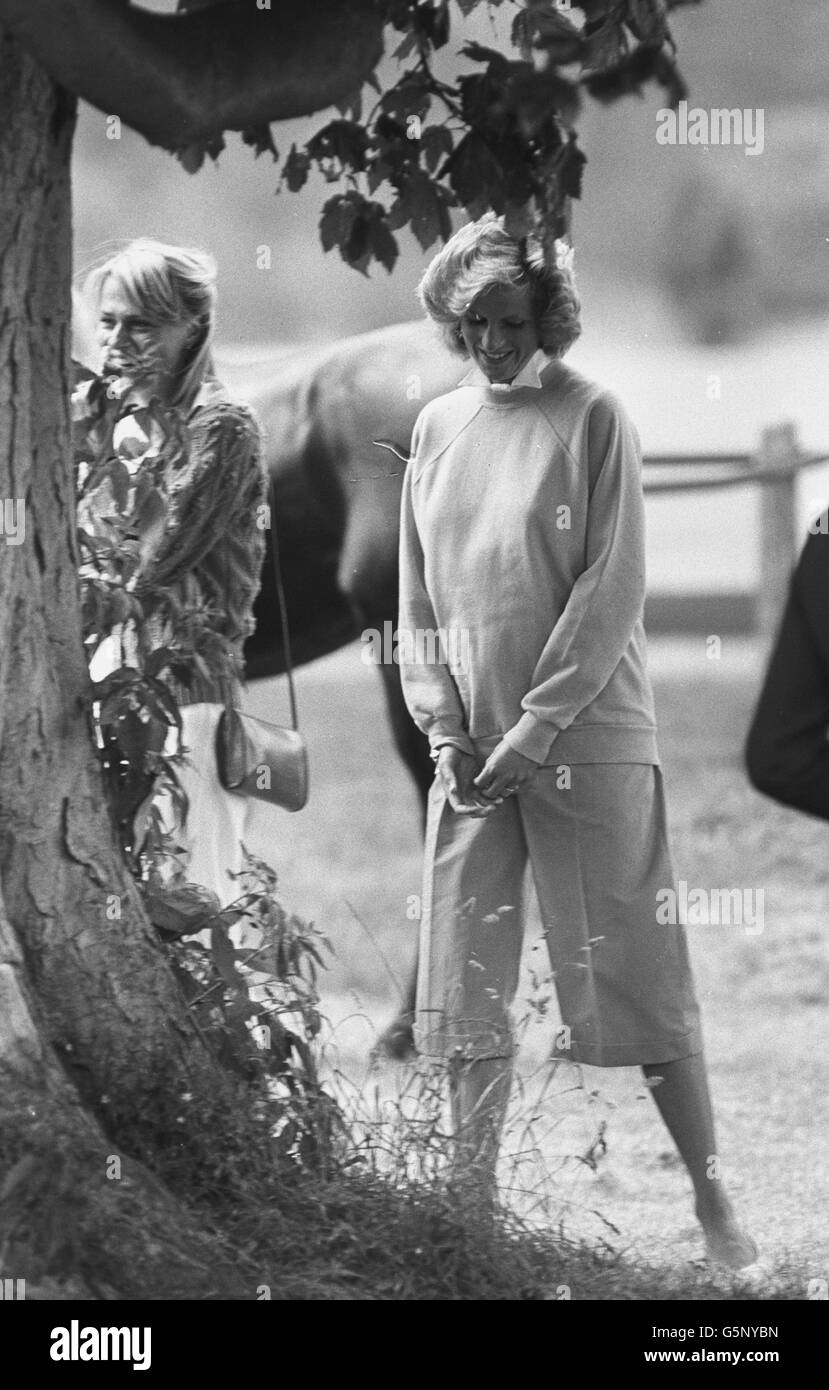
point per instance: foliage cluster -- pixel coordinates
(247, 971)
(499, 136)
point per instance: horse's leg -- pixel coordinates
(368, 575)
(310, 523)
(410, 743)
(397, 1040)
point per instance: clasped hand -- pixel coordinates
(475, 790)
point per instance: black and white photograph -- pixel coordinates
(414, 669)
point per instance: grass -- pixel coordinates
(594, 1204)
(383, 1222)
(621, 1226)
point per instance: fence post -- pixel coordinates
(779, 452)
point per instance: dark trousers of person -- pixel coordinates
(787, 751)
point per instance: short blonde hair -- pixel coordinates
(170, 284)
(481, 255)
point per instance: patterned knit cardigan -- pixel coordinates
(214, 532)
(214, 529)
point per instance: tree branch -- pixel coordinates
(181, 79)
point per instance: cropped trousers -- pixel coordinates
(597, 845)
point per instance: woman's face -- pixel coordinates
(499, 330)
(125, 335)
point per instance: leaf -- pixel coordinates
(408, 97)
(144, 485)
(352, 105)
(479, 53)
(356, 248)
(606, 46)
(359, 228)
(339, 147)
(571, 168)
(192, 156)
(119, 480)
(629, 76)
(422, 205)
(200, 665)
(158, 659)
(438, 23)
(224, 957)
(183, 910)
(379, 172)
(475, 175)
(337, 218)
(295, 169)
(547, 30)
(240, 1009)
(435, 143)
(536, 96)
(383, 244)
(649, 21)
(670, 78)
(388, 130)
(158, 700)
(407, 45)
(150, 522)
(261, 139)
(394, 154)
(115, 681)
(118, 608)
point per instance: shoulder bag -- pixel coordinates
(254, 757)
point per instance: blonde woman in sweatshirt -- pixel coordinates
(522, 545)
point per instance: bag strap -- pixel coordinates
(283, 608)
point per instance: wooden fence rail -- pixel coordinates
(774, 468)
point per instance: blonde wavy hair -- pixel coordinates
(168, 284)
(482, 255)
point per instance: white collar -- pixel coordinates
(529, 375)
(210, 388)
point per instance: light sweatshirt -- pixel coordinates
(530, 567)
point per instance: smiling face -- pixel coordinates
(125, 334)
(500, 331)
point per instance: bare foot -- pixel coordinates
(727, 1243)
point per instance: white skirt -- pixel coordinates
(217, 819)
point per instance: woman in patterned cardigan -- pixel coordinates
(155, 307)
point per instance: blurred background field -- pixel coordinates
(351, 861)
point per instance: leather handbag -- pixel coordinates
(254, 757)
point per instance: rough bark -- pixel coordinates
(78, 1218)
(93, 1030)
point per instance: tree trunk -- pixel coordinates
(94, 1034)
